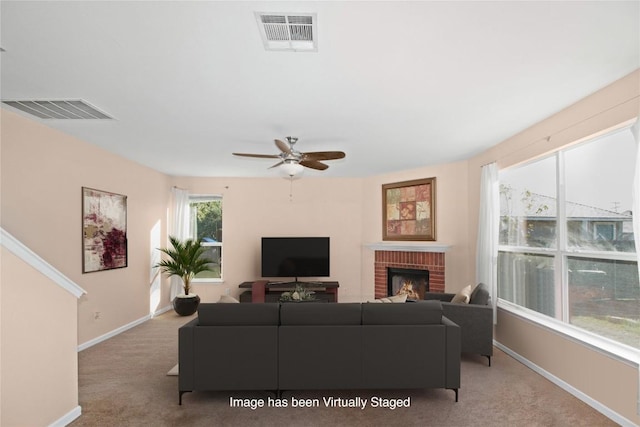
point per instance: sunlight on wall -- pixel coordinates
(154, 272)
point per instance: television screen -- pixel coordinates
(295, 257)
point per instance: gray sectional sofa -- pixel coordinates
(314, 346)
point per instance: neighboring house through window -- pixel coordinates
(206, 224)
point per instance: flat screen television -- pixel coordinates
(295, 257)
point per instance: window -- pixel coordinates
(567, 248)
(604, 231)
(528, 206)
(206, 224)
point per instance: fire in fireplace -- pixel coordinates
(408, 281)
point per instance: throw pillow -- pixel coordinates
(392, 299)
(398, 298)
(480, 295)
(226, 299)
(463, 296)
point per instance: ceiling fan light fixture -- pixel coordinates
(293, 162)
(292, 168)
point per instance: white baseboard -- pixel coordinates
(67, 418)
(606, 411)
(123, 328)
(113, 333)
(162, 310)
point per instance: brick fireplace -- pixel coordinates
(427, 258)
(410, 281)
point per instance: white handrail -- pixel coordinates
(27, 255)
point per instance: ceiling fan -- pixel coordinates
(292, 160)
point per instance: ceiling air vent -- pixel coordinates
(295, 33)
(76, 109)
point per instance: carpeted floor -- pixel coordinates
(123, 382)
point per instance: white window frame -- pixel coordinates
(561, 253)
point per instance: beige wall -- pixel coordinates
(605, 379)
(257, 207)
(348, 210)
(43, 171)
(452, 212)
(613, 383)
(39, 360)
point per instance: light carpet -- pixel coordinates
(123, 382)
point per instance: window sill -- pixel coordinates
(207, 281)
(608, 347)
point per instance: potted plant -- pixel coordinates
(185, 260)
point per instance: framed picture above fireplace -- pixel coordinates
(409, 210)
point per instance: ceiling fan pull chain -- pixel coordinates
(291, 189)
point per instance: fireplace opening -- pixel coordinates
(408, 281)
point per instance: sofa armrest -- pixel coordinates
(452, 358)
(476, 324)
(438, 296)
(186, 374)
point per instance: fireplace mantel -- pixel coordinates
(408, 247)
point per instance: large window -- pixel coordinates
(567, 248)
(206, 224)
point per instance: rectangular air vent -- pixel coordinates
(280, 31)
(75, 109)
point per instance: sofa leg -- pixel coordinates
(180, 393)
(488, 357)
(455, 390)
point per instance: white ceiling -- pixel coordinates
(396, 85)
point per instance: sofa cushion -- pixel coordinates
(480, 295)
(418, 313)
(463, 296)
(313, 313)
(214, 314)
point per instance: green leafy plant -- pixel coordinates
(185, 260)
(300, 293)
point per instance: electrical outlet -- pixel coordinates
(96, 315)
(227, 291)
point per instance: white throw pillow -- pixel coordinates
(392, 299)
(227, 299)
(398, 298)
(463, 296)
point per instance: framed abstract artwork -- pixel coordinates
(409, 210)
(104, 230)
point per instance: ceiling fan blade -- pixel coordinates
(283, 146)
(260, 156)
(323, 155)
(276, 165)
(314, 164)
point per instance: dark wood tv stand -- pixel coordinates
(266, 291)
